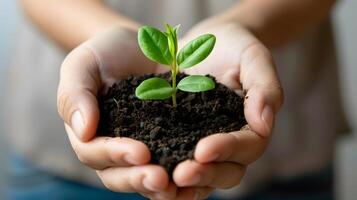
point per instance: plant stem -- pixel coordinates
(173, 77)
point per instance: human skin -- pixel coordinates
(273, 22)
(244, 63)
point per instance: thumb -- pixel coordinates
(76, 97)
(264, 95)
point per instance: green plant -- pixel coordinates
(162, 47)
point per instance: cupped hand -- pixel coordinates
(121, 163)
(241, 62)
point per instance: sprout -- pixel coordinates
(162, 47)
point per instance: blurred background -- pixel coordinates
(345, 17)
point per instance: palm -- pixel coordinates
(109, 57)
(118, 56)
(224, 61)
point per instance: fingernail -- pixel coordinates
(130, 160)
(268, 117)
(77, 123)
(149, 186)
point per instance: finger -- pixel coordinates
(194, 193)
(103, 152)
(243, 147)
(187, 193)
(203, 192)
(264, 93)
(166, 194)
(142, 179)
(76, 96)
(217, 175)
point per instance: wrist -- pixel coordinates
(241, 15)
(115, 21)
(237, 17)
(126, 23)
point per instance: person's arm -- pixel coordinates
(276, 22)
(70, 23)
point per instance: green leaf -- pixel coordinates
(154, 89)
(154, 44)
(196, 51)
(196, 83)
(171, 34)
(171, 40)
(175, 31)
(177, 28)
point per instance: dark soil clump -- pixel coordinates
(170, 133)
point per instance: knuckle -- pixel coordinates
(109, 185)
(81, 156)
(116, 156)
(136, 182)
(253, 51)
(83, 159)
(277, 94)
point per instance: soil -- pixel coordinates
(170, 133)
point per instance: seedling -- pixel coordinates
(162, 47)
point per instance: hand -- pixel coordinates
(121, 163)
(239, 61)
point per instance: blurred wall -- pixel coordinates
(8, 16)
(346, 154)
(346, 26)
(8, 19)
